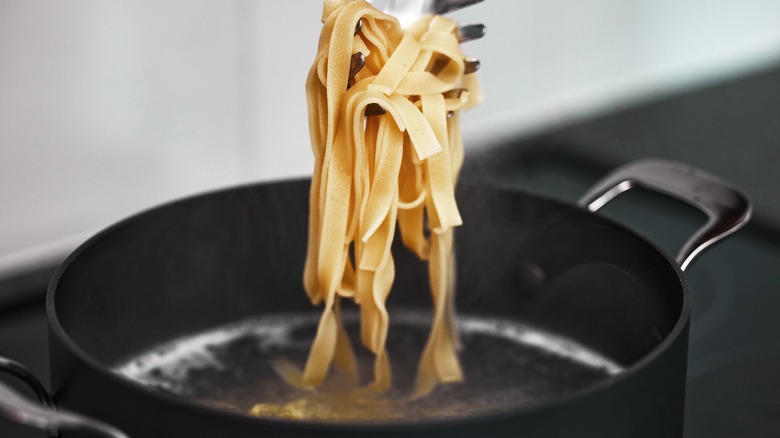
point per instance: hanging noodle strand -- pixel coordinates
(375, 174)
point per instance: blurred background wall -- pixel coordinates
(108, 107)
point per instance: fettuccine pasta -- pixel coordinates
(376, 173)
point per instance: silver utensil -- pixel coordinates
(407, 11)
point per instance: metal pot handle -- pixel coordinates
(726, 207)
(45, 416)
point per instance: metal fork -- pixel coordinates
(407, 11)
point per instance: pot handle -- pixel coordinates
(45, 416)
(726, 207)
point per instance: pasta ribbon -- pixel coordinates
(375, 174)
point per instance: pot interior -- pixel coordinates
(505, 362)
(204, 293)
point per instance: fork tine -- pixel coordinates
(470, 32)
(470, 66)
(443, 6)
(357, 62)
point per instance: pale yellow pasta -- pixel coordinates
(375, 174)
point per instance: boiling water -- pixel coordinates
(506, 364)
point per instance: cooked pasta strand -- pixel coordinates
(373, 174)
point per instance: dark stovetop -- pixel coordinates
(734, 355)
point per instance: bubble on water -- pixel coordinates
(506, 364)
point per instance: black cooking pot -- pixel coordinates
(572, 325)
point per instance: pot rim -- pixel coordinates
(104, 371)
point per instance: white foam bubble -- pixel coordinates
(170, 362)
